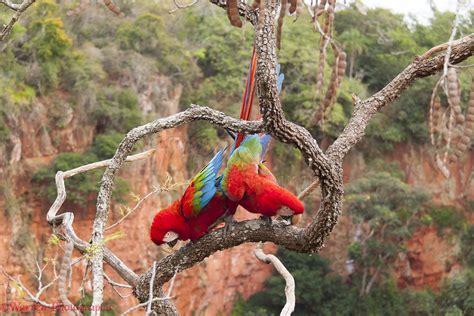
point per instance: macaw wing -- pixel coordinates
(245, 158)
(264, 141)
(266, 173)
(280, 78)
(202, 187)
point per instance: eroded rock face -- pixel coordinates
(211, 287)
(429, 259)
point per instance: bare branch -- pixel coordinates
(152, 300)
(34, 298)
(19, 10)
(63, 276)
(290, 281)
(66, 219)
(193, 113)
(420, 68)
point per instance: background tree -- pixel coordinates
(347, 125)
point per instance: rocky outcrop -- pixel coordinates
(211, 287)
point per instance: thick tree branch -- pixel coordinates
(311, 238)
(125, 147)
(423, 66)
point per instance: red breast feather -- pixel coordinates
(210, 215)
(265, 197)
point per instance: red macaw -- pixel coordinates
(247, 181)
(196, 212)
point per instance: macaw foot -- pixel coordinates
(229, 221)
(286, 219)
(267, 219)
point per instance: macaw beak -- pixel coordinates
(171, 238)
(172, 243)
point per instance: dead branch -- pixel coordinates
(420, 68)
(63, 277)
(290, 281)
(66, 219)
(152, 299)
(326, 166)
(19, 8)
(41, 288)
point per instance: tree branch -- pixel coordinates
(290, 281)
(311, 238)
(19, 8)
(421, 67)
(193, 113)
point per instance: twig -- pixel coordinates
(33, 298)
(179, 6)
(114, 286)
(148, 309)
(19, 10)
(308, 190)
(139, 204)
(290, 281)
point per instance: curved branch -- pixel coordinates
(289, 307)
(423, 66)
(311, 238)
(193, 113)
(278, 232)
(19, 8)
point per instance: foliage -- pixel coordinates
(457, 294)
(116, 110)
(81, 187)
(105, 145)
(445, 217)
(467, 250)
(389, 208)
(319, 291)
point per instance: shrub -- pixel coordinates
(117, 110)
(445, 217)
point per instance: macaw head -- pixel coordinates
(169, 225)
(250, 150)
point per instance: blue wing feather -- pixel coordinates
(280, 78)
(206, 181)
(264, 141)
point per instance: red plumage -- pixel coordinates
(172, 219)
(266, 197)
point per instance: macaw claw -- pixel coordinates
(266, 219)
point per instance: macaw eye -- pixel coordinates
(170, 236)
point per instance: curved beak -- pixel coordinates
(172, 243)
(171, 238)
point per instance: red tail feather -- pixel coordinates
(247, 101)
